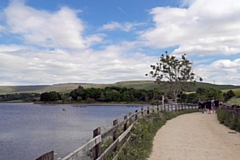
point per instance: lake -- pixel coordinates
(28, 131)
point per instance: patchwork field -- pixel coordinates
(68, 87)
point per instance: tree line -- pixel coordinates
(131, 95)
(207, 93)
(107, 94)
(119, 95)
(25, 97)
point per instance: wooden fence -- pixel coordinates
(119, 133)
(47, 156)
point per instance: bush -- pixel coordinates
(229, 117)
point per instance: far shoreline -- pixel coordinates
(98, 104)
(114, 104)
(78, 104)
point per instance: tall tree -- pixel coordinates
(174, 74)
(228, 95)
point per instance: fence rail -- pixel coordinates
(119, 133)
(47, 156)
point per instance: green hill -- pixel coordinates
(67, 87)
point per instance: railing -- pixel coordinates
(119, 133)
(47, 156)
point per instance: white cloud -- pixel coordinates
(194, 30)
(228, 64)
(109, 65)
(208, 27)
(127, 26)
(2, 28)
(61, 29)
(223, 71)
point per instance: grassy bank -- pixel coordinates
(233, 101)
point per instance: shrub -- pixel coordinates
(229, 117)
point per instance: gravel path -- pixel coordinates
(195, 136)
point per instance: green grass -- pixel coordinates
(233, 101)
(235, 90)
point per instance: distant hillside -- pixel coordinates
(221, 87)
(68, 87)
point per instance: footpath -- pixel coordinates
(195, 136)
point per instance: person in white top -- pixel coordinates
(213, 105)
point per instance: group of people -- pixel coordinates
(209, 106)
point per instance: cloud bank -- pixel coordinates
(49, 47)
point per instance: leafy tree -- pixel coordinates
(44, 97)
(174, 74)
(228, 95)
(192, 98)
(201, 91)
(214, 92)
(64, 97)
(102, 97)
(128, 97)
(183, 97)
(54, 96)
(92, 93)
(26, 97)
(74, 94)
(208, 93)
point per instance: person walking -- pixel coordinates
(202, 105)
(199, 102)
(209, 106)
(216, 105)
(212, 105)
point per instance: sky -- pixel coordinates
(46, 42)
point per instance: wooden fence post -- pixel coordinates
(136, 115)
(125, 124)
(115, 122)
(96, 149)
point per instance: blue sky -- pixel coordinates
(107, 41)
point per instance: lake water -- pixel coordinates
(28, 131)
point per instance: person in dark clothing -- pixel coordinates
(209, 106)
(216, 105)
(199, 102)
(202, 105)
